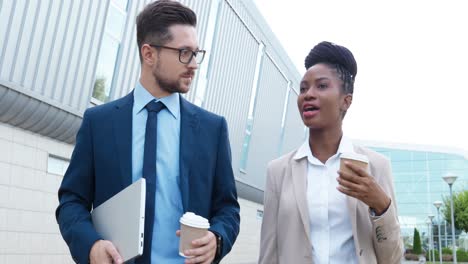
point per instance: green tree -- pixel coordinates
(99, 91)
(460, 205)
(417, 249)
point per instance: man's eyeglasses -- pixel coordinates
(185, 55)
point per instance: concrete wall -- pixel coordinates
(28, 198)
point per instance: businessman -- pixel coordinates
(182, 150)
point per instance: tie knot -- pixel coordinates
(155, 106)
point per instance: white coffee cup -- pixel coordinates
(192, 227)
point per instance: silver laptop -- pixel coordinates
(121, 220)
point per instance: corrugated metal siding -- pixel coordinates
(49, 52)
(294, 127)
(231, 73)
(254, 20)
(202, 9)
(265, 137)
(128, 60)
(40, 51)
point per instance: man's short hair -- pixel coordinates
(154, 21)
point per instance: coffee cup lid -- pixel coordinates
(354, 156)
(193, 220)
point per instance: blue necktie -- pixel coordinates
(149, 173)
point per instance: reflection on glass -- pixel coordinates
(115, 22)
(109, 50)
(105, 68)
(418, 182)
(283, 118)
(252, 104)
(122, 4)
(56, 165)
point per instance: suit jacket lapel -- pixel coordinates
(188, 135)
(352, 209)
(299, 178)
(122, 122)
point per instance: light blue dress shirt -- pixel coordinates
(168, 201)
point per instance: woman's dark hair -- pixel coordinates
(337, 57)
(154, 21)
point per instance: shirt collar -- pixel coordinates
(142, 97)
(346, 145)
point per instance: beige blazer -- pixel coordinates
(285, 234)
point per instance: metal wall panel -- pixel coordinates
(129, 64)
(82, 43)
(231, 74)
(266, 131)
(48, 57)
(203, 10)
(128, 60)
(294, 131)
(39, 50)
(254, 20)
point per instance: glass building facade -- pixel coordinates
(418, 183)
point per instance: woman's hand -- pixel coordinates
(361, 185)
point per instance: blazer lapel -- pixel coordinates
(123, 136)
(352, 209)
(188, 135)
(299, 178)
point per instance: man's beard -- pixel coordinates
(170, 86)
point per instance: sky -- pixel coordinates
(412, 57)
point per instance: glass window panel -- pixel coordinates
(56, 165)
(259, 214)
(419, 165)
(115, 22)
(105, 68)
(419, 155)
(122, 4)
(436, 164)
(455, 164)
(252, 104)
(435, 156)
(401, 155)
(245, 152)
(401, 166)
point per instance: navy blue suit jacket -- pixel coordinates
(101, 166)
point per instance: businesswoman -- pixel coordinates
(314, 213)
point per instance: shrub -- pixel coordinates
(417, 249)
(436, 255)
(462, 255)
(446, 251)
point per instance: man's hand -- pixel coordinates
(104, 252)
(361, 185)
(204, 250)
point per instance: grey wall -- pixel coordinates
(49, 48)
(48, 57)
(267, 123)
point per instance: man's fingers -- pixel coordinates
(112, 251)
(203, 240)
(201, 255)
(194, 260)
(199, 251)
